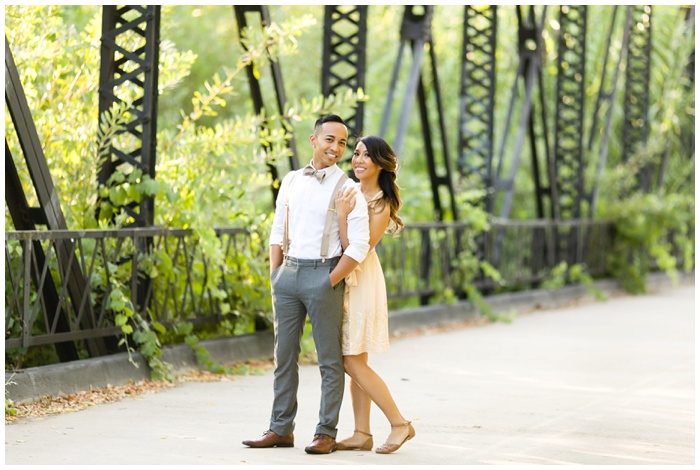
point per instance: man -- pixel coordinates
(305, 280)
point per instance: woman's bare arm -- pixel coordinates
(378, 222)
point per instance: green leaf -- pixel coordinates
(117, 196)
(184, 328)
(191, 341)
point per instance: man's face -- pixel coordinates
(329, 144)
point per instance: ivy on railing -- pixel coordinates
(187, 287)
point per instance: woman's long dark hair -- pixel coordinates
(381, 153)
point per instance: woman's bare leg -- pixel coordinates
(361, 405)
(364, 379)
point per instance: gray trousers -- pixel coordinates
(300, 287)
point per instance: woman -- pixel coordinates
(365, 317)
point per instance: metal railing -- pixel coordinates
(180, 279)
(171, 276)
(428, 259)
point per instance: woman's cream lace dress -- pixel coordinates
(365, 312)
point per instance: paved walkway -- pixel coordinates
(601, 383)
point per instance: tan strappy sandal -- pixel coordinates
(367, 445)
(387, 448)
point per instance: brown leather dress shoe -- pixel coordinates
(322, 444)
(271, 439)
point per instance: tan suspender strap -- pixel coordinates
(329, 218)
(285, 238)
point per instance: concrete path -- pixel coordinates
(608, 383)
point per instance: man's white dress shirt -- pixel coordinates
(308, 206)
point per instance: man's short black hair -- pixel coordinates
(327, 118)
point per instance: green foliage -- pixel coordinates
(477, 298)
(186, 330)
(656, 226)
(468, 266)
(563, 274)
(146, 337)
(10, 409)
(468, 271)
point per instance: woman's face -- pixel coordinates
(363, 166)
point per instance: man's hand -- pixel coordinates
(276, 257)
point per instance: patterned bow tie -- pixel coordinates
(311, 171)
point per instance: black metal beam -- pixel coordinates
(129, 52)
(30, 144)
(570, 102)
(477, 97)
(416, 32)
(635, 130)
(129, 67)
(569, 115)
(345, 57)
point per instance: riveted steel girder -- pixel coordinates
(568, 141)
(477, 97)
(345, 57)
(636, 122)
(129, 73)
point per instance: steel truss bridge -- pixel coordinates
(49, 266)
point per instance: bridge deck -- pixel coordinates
(600, 383)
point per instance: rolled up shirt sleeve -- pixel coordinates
(358, 230)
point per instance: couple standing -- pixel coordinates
(312, 252)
